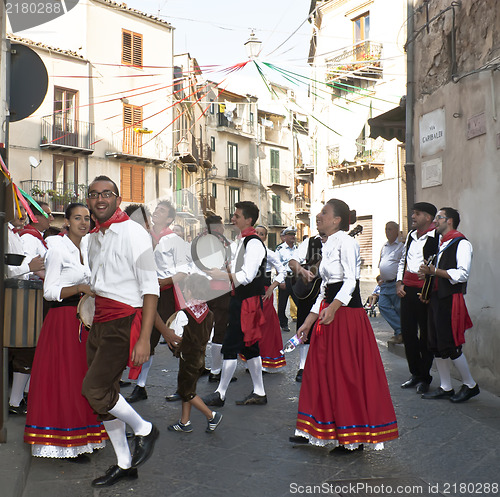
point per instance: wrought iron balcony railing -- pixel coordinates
(60, 132)
(57, 194)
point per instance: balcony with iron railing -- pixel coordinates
(278, 219)
(302, 204)
(186, 204)
(57, 194)
(207, 204)
(237, 171)
(67, 135)
(362, 59)
(236, 124)
(280, 179)
(130, 146)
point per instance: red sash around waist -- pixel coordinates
(460, 319)
(109, 310)
(252, 320)
(411, 279)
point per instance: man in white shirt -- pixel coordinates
(247, 275)
(389, 303)
(123, 277)
(285, 252)
(421, 244)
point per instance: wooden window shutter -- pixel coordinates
(137, 50)
(126, 182)
(137, 116)
(138, 184)
(126, 47)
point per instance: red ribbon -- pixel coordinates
(460, 319)
(31, 230)
(118, 217)
(319, 327)
(109, 310)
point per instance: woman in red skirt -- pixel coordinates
(60, 423)
(344, 399)
(271, 343)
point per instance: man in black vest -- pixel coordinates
(421, 244)
(448, 316)
(247, 275)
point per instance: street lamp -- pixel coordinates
(253, 46)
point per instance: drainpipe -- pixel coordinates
(410, 97)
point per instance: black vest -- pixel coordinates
(313, 255)
(448, 260)
(257, 286)
(430, 247)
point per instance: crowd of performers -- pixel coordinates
(147, 287)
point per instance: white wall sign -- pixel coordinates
(432, 173)
(432, 132)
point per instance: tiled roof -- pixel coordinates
(123, 6)
(32, 43)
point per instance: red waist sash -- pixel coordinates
(460, 319)
(411, 279)
(109, 310)
(252, 320)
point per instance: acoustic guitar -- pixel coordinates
(303, 289)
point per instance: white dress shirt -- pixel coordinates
(252, 259)
(273, 261)
(285, 253)
(340, 261)
(464, 261)
(32, 247)
(171, 256)
(390, 255)
(122, 263)
(15, 246)
(63, 267)
(415, 257)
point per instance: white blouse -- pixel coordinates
(171, 256)
(340, 261)
(63, 267)
(273, 261)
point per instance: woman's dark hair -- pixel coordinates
(71, 207)
(341, 209)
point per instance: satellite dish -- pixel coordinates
(34, 162)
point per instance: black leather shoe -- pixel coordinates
(214, 400)
(113, 474)
(412, 382)
(252, 400)
(285, 329)
(19, 410)
(138, 393)
(204, 371)
(215, 378)
(144, 446)
(439, 393)
(299, 375)
(125, 383)
(173, 398)
(465, 393)
(422, 387)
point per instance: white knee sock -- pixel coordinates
(126, 413)
(143, 376)
(118, 439)
(443, 367)
(255, 368)
(463, 368)
(216, 363)
(303, 350)
(228, 369)
(19, 381)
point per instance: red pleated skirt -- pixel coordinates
(271, 343)
(60, 421)
(344, 397)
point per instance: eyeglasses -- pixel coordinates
(104, 194)
(437, 218)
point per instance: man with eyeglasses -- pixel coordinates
(421, 244)
(448, 316)
(123, 277)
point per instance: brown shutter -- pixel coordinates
(126, 47)
(365, 240)
(137, 136)
(128, 130)
(137, 52)
(126, 182)
(138, 184)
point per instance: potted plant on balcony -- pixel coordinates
(36, 191)
(61, 199)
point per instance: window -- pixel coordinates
(214, 190)
(276, 212)
(251, 119)
(131, 48)
(232, 160)
(65, 130)
(271, 240)
(275, 166)
(132, 183)
(361, 34)
(65, 173)
(234, 198)
(212, 143)
(132, 118)
(212, 107)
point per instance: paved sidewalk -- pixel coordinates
(443, 449)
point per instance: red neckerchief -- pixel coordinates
(450, 236)
(31, 230)
(163, 232)
(118, 217)
(63, 232)
(248, 232)
(430, 228)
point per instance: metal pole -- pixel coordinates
(410, 96)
